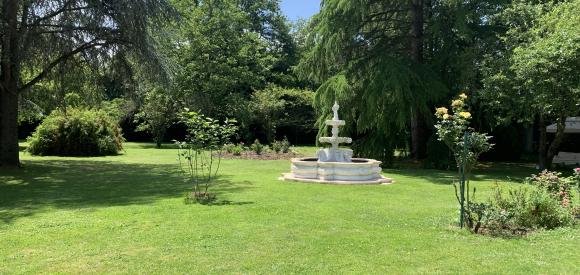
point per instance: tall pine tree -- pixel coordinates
(388, 62)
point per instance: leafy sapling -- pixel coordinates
(200, 154)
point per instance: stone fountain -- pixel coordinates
(335, 165)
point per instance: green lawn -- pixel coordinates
(126, 214)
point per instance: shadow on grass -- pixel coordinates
(147, 145)
(78, 184)
(228, 202)
(500, 172)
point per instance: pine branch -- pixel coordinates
(52, 14)
(59, 60)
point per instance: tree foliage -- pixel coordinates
(534, 73)
(225, 51)
(276, 107)
(360, 52)
(228, 49)
(39, 37)
(156, 114)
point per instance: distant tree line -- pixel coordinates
(388, 63)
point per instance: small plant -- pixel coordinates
(277, 146)
(257, 147)
(519, 211)
(237, 150)
(293, 150)
(266, 149)
(477, 213)
(281, 146)
(556, 185)
(229, 148)
(200, 154)
(285, 145)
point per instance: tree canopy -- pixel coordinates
(39, 36)
(390, 61)
(535, 72)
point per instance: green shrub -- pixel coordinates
(519, 211)
(277, 146)
(281, 146)
(257, 147)
(576, 178)
(553, 182)
(229, 148)
(237, 150)
(79, 132)
(285, 145)
(234, 149)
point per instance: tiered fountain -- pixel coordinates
(334, 165)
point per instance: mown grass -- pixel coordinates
(126, 214)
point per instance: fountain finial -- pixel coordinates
(335, 108)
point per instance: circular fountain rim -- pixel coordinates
(355, 161)
(382, 180)
(314, 163)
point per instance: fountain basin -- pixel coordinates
(359, 171)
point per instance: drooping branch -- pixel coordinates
(53, 28)
(59, 60)
(50, 15)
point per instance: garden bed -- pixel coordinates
(262, 156)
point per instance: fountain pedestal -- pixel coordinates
(334, 165)
(334, 155)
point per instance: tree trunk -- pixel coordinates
(418, 125)
(555, 145)
(542, 143)
(8, 127)
(418, 136)
(9, 73)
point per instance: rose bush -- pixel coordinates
(466, 145)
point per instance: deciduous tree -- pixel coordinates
(535, 74)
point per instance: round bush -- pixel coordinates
(78, 132)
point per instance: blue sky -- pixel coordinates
(295, 9)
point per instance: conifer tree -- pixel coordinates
(36, 36)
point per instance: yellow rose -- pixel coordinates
(447, 116)
(465, 115)
(457, 103)
(441, 111)
(463, 96)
